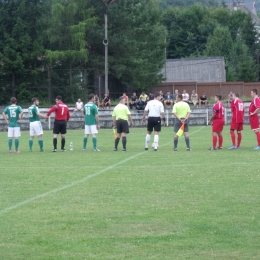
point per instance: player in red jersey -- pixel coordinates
(254, 109)
(218, 122)
(237, 121)
(62, 115)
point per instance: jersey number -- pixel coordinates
(240, 107)
(62, 110)
(12, 113)
(88, 111)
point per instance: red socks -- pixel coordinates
(239, 138)
(258, 137)
(233, 138)
(220, 141)
(214, 141)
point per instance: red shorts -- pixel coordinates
(236, 126)
(254, 122)
(218, 125)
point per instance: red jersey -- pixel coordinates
(255, 103)
(237, 108)
(61, 112)
(218, 110)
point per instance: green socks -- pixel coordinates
(30, 144)
(94, 140)
(16, 142)
(85, 140)
(10, 143)
(40, 142)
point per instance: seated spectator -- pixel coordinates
(133, 101)
(96, 100)
(140, 105)
(175, 95)
(106, 101)
(194, 98)
(126, 98)
(185, 96)
(168, 99)
(230, 98)
(143, 97)
(162, 98)
(203, 100)
(151, 96)
(78, 106)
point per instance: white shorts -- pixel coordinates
(90, 129)
(36, 128)
(14, 132)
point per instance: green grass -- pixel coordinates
(136, 205)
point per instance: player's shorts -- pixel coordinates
(178, 124)
(91, 129)
(218, 125)
(122, 126)
(14, 132)
(60, 127)
(236, 126)
(154, 123)
(36, 128)
(254, 122)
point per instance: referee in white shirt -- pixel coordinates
(155, 114)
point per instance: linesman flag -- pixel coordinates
(181, 130)
(114, 131)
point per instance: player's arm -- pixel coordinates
(20, 118)
(131, 120)
(97, 120)
(212, 117)
(51, 110)
(68, 114)
(187, 117)
(257, 111)
(5, 118)
(163, 118)
(114, 121)
(145, 113)
(174, 113)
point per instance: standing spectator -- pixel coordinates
(106, 101)
(230, 97)
(78, 106)
(120, 115)
(126, 98)
(96, 100)
(133, 101)
(194, 98)
(181, 111)
(185, 96)
(91, 123)
(35, 124)
(175, 95)
(13, 115)
(155, 111)
(62, 116)
(168, 99)
(254, 110)
(151, 96)
(218, 122)
(237, 121)
(143, 97)
(203, 100)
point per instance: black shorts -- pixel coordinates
(60, 127)
(178, 123)
(122, 126)
(154, 123)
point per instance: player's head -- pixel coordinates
(58, 99)
(13, 100)
(91, 97)
(254, 92)
(179, 97)
(157, 95)
(218, 98)
(35, 100)
(122, 100)
(236, 95)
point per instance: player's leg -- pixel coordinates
(94, 132)
(85, 139)
(239, 138)
(257, 133)
(40, 142)
(124, 141)
(233, 139)
(10, 138)
(63, 131)
(220, 140)
(157, 129)
(186, 135)
(125, 131)
(17, 134)
(119, 131)
(39, 133)
(177, 125)
(31, 143)
(149, 132)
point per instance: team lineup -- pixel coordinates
(153, 112)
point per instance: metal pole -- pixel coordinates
(106, 55)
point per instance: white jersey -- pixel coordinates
(155, 108)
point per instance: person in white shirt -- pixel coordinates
(155, 114)
(78, 106)
(185, 96)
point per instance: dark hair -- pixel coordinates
(121, 98)
(13, 100)
(236, 94)
(254, 90)
(179, 96)
(157, 94)
(167, 91)
(91, 96)
(219, 97)
(34, 99)
(59, 97)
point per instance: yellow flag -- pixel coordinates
(114, 131)
(181, 130)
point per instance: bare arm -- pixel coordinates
(131, 120)
(176, 116)
(41, 115)
(5, 118)
(257, 111)
(114, 121)
(20, 118)
(97, 120)
(144, 115)
(212, 117)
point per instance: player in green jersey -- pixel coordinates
(35, 123)
(90, 112)
(13, 115)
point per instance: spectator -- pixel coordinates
(185, 96)
(161, 99)
(230, 97)
(194, 98)
(143, 97)
(106, 101)
(203, 100)
(151, 96)
(168, 99)
(78, 106)
(96, 100)
(140, 105)
(126, 98)
(175, 95)
(133, 101)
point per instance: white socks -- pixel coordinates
(156, 141)
(147, 140)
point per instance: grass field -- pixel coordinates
(136, 205)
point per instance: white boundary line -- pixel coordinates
(74, 183)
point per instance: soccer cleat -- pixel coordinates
(84, 149)
(146, 148)
(63, 150)
(232, 147)
(115, 149)
(188, 149)
(155, 149)
(54, 150)
(238, 147)
(16, 151)
(220, 148)
(175, 149)
(212, 148)
(124, 150)
(257, 148)
(30, 151)
(96, 150)
(41, 150)
(10, 151)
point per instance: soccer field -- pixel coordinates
(130, 205)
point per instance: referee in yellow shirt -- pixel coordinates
(181, 111)
(120, 115)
